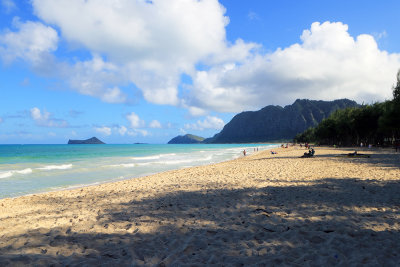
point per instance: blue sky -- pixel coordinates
(145, 71)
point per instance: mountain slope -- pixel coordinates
(273, 123)
(186, 139)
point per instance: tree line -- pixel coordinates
(376, 124)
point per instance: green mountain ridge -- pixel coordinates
(273, 123)
(277, 123)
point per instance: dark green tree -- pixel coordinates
(376, 124)
(396, 89)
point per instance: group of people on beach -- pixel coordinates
(254, 149)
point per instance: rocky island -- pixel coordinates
(90, 141)
(186, 139)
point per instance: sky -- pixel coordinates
(145, 71)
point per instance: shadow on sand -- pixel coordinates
(327, 222)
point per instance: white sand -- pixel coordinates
(259, 210)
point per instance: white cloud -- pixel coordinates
(113, 95)
(380, 35)
(8, 5)
(127, 31)
(44, 119)
(129, 46)
(33, 42)
(95, 77)
(151, 53)
(209, 122)
(155, 124)
(122, 130)
(134, 120)
(38, 115)
(182, 131)
(328, 64)
(106, 131)
(142, 132)
(136, 132)
(195, 111)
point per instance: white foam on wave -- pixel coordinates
(168, 154)
(146, 158)
(25, 171)
(124, 165)
(154, 157)
(7, 174)
(56, 167)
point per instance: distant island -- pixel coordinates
(90, 141)
(186, 139)
(271, 123)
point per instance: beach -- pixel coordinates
(261, 209)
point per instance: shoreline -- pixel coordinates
(117, 179)
(259, 209)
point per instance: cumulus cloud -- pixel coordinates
(126, 30)
(33, 42)
(150, 53)
(44, 119)
(209, 122)
(106, 131)
(134, 120)
(129, 48)
(194, 111)
(38, 115)
(328, 64)
(155, 124)
(95, 77)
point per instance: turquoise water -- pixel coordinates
(28, 169)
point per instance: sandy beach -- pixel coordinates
(258, 210)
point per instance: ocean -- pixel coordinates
(29, 169)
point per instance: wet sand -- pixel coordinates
(258, 210)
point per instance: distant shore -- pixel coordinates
(259, 209)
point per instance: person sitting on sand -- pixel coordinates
(309, 154)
